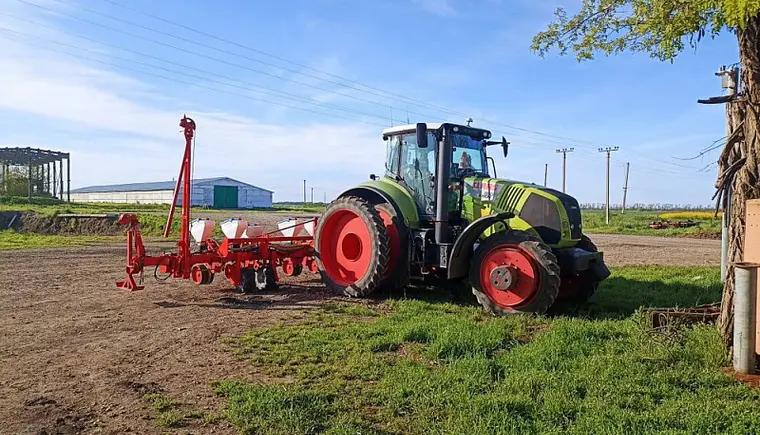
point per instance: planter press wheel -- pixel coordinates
(352, 248)
(201, 274)
(513, 272)
(289, 268)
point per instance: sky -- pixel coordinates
(301, 90)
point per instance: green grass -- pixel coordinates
(637, 222)
(425, 365)
(51, 207)
(174, 414)
(12, 240)
(161, 402)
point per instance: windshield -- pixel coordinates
(468, 157)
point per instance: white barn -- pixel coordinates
(221, 192)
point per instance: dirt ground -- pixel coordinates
(77, 355)
(624, 249)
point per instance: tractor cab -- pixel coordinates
(413, 158)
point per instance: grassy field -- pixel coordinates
(52, 207)
(426, 365)
(153, 216)
(12, 240)
(637, 222)
(152, 219)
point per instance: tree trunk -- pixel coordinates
(745, 184)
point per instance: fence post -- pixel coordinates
(745, 300)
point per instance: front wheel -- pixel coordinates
(513, 272)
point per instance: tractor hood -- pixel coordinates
(553, 216)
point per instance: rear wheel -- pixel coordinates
(513, 272)
(578, 289)
(351, 247)
(396, 275)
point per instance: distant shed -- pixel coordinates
(220, 192)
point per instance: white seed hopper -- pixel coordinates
(309, 227)
(253, 231)
(290, 227)
(201, 229)
(233, 228)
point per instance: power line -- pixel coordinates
(524, 143)
(216, 59)
(255, 50)
(715, 145)
(172, 79)
(267, 90)
(406, 100)
(423, 105)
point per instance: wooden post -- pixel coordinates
(564, 152)
(608, 150)
(546, 172)
(625, 186)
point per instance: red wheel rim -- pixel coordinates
(523, 268)
(345, 247)
(287, 267)
(394, 241)
(196, 274)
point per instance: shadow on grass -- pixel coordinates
(628, 289)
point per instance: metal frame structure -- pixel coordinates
(46, 165)
(243, 261)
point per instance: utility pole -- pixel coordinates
(304, 191)
(564, 152)
(625, 186)
(608, 150)
(546, 172)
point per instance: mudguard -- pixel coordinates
(391, 193)
(459, 261)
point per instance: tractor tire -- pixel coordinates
(514, 272)
(351, 247)
(397, 272)
(577, 290)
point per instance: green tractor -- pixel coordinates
(438, 217)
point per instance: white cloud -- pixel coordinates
(127, 130)
(438, 7)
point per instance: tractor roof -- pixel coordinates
(430, 125)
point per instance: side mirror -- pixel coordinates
(422, 135)
(505, 146)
